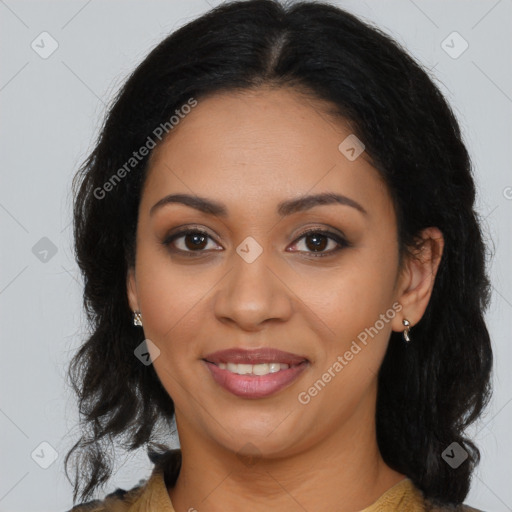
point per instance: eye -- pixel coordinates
(194, 241)
(190, 241)
(316, 241)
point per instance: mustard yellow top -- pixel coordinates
(151, 495)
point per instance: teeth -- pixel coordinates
(254, 369)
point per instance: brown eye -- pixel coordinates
(195, 241)
(188, 241)
(317, 241)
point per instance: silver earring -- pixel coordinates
(406, 331)
(137, 318)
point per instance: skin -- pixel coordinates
(250, 151)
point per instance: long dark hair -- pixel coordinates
(428, 393)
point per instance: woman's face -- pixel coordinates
(255, 282)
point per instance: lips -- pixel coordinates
(254, 356)
(254, 374)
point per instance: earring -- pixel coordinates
(137, 318)
(406, 331)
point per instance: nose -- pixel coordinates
(253, 294)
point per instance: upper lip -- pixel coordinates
(254, 356)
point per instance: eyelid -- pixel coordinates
(182, 231)
(325, 230)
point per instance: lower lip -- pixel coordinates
(255, 386)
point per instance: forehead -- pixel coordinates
(259, 147)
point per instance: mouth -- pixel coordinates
(254, 373)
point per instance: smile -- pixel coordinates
(253, 369)
(254, 381)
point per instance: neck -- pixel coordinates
(343, 471)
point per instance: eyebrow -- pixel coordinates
(284, 208)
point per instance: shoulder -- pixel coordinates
(164, 473)
(117, 501)
(409, 498)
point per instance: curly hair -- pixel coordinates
(428, 392)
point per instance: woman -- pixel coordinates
(281, 252)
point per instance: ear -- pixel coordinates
(131, 289)
(416, 281)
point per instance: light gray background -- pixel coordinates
(51, 111)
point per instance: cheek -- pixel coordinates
(171, 296)
(173, 305)
(358, 308)
(353, 297)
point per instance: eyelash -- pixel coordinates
(342, 243)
